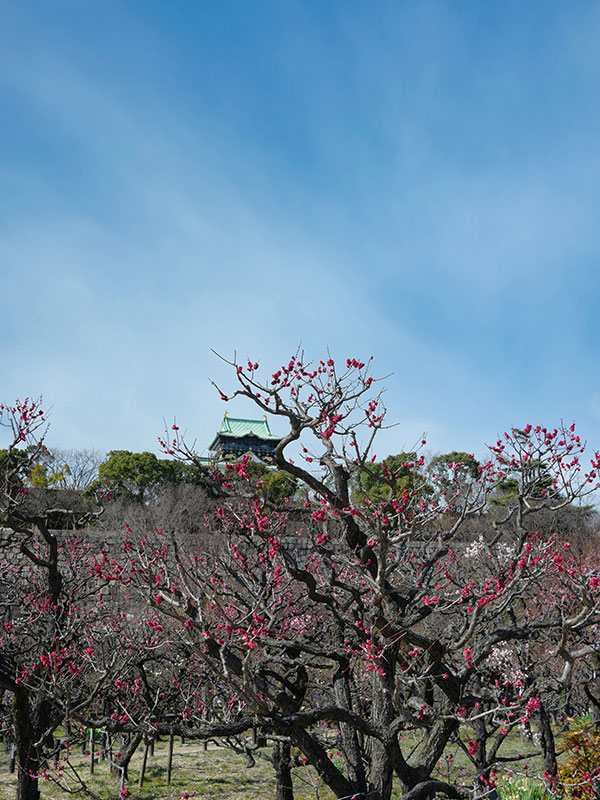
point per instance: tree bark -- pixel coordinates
(548, 747)
(122, 762)
(382, 774)
(27, 757)
(170, 758)
(282, 764)
(349, 741)
(143, 767)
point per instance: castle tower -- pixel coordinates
(239, 437)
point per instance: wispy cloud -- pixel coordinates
(393, 208)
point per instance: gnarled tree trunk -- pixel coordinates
(27, 757)
(282, 764)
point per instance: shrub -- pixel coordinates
(581, 768)
(523, 789)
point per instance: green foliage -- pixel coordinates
(450, 476)
(38, 477)
(581, 762)
(15, 469)
(390, 478)
(275, 486)
(59, 475)
(445, 475)
(533, 476)
(46, 472)
(137, 476)
(15, 460)
(456, 466)
(523, 789)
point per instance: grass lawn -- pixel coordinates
(220, 774)
(217, 774)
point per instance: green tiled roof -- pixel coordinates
(247, 427)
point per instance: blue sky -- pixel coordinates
(418, 181)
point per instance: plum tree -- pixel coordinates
(374, 617)
(363, 631)
(52, 612)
